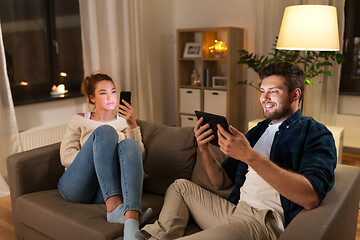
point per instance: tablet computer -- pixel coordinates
(213, 120)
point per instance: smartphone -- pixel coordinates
(126, 95)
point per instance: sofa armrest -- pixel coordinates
(34, 170)
(336, 217)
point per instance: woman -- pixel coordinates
(102, 155)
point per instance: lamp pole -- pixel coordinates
(302, 99)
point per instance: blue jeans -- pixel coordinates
(104, 168)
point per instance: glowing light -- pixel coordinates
(58, 91)
(309, 28)
(219, 48)
(61, 88)
(63, 74)
(24, 83)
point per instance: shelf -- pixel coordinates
(215, 88)
(190, 59)
(204, 59)
(191, 86)
(229, 101)
(215, 59)
(188, 114)
(204, 88)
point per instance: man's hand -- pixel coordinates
(234, 145)
(203, 135)
(217, 175)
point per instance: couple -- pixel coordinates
(284, 164)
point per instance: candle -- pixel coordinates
(61, 88)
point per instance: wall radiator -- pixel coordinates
(41, 136)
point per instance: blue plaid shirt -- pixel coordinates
(301, 145)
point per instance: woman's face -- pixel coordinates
(105, 96)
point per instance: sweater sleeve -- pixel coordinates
(136, 135)
(70, 144)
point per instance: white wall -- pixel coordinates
(349, 105)
(349, 118)
(48, 113)
(213, 13)
(350, 123)
(160, 34)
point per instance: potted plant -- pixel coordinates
(316, 62)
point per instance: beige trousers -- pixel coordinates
(219, 218)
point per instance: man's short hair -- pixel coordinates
(293, 74)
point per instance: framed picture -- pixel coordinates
(192, 49)
(220, 82)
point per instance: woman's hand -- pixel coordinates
(203, 135)
(128, 113)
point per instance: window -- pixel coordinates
(42, 39)
(350, 72)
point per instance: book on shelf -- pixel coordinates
(208, 75)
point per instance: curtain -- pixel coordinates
(320, 99)
(114, 43)
(9, 134)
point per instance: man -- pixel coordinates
(284, 164)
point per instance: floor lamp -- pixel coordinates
(309, 28)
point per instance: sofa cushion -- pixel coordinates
(47, 212)
(200, 177)
(170, 154)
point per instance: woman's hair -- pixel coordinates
(88, 85)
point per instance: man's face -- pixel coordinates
(275, 99)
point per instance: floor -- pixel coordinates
(6, 219)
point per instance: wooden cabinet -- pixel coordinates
(218, 91)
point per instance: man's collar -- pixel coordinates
(292, 119)
(288, 122)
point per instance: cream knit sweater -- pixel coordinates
(79, 130)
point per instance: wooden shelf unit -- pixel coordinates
(225, 66)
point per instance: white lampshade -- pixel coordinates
(309, 27)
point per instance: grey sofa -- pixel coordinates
(41, 213)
